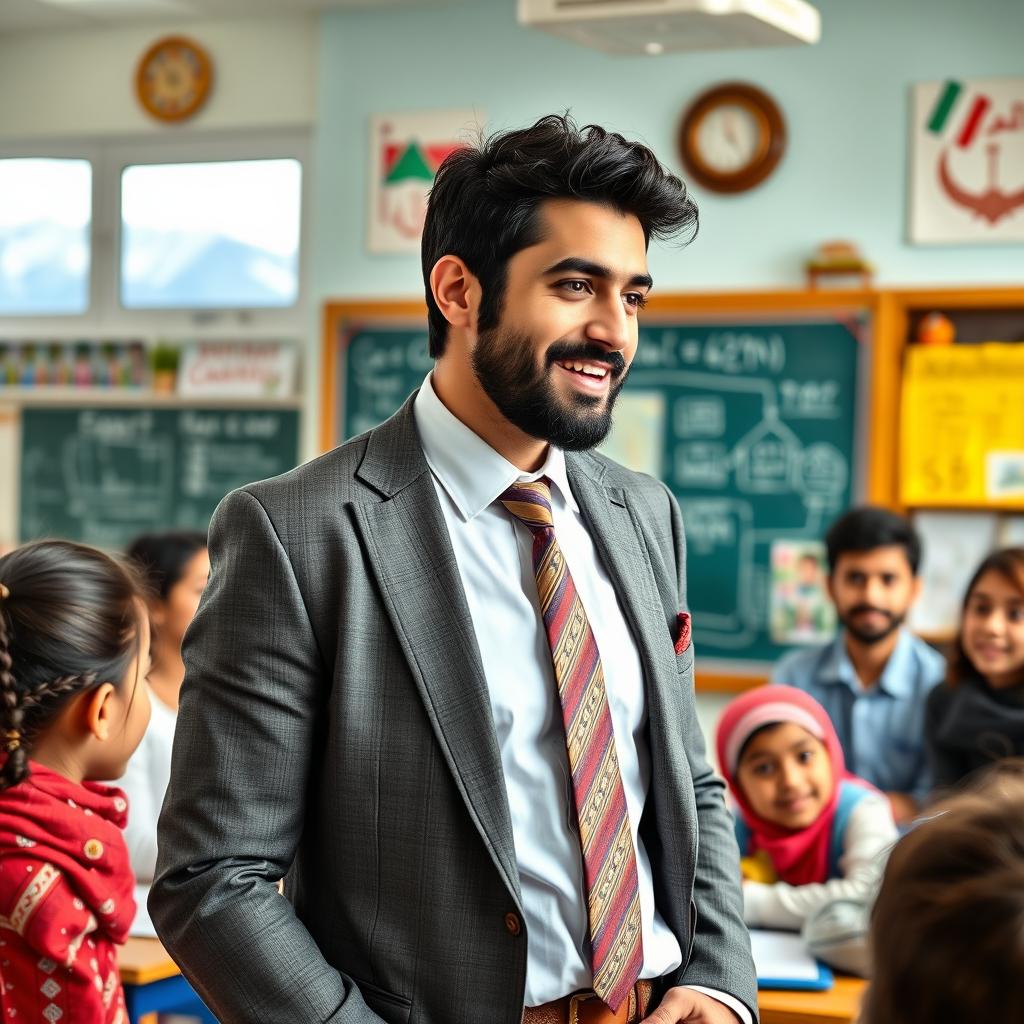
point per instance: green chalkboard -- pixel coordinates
(382, 366)
(103, 474)
(751, 426)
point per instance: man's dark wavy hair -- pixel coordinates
(869, 527)
(484, 205)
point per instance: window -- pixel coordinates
(45, 219)
(211, 235)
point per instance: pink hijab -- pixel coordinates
(800, 857)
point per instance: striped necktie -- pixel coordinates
(609, 862)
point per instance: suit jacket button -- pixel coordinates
(512, 924)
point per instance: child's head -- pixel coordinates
(175, 565)
(74, 647)
(785, 774)
(991, 641)
(780, 756)
(947, 931)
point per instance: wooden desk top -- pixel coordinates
(141, 961)
(839, 1005)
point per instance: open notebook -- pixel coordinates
(782, 961)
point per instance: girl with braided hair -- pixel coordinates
(74, 652)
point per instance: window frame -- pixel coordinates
(71, 150)
(106, 317)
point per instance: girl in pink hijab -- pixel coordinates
(809, 832)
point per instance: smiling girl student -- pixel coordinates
(977, 716)
(809, 832)
(74, 651)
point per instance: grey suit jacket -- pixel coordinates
(335, 730)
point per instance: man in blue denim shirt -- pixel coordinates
(874, 677)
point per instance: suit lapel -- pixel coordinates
(414, 564)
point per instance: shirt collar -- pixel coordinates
(896, 678)
(898, 675)
(472, 473)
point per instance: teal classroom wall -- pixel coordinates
(846, 101)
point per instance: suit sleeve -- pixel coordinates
(245, 745)
(721, 958)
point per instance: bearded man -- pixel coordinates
(874, 678)
(441, 680)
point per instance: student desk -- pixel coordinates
(153, 984)
(839, 1005)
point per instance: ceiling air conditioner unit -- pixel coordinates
(630, 27)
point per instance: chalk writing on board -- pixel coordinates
(102, 475)
(378, 376)
(757, 436)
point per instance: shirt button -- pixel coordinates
(512, 924)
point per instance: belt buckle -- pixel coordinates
(574, 1002)
(632, 1005)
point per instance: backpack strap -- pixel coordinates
(850, 794)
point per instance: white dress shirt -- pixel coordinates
(494, 556)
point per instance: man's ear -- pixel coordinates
(456, 291)
(97, 710)
(915, 589)
(828, 587)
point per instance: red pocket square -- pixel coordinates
(683, 636)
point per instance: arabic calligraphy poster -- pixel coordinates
(967, 161)
(405, 153)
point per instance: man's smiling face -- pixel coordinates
(558, 358)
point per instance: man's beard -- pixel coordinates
(871, 637)
(504, 362)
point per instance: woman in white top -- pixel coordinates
(175, 566)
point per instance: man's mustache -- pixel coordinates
(860, 609)
(567, 352)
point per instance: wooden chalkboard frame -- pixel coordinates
(877, 412)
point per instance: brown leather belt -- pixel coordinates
(587, 1008)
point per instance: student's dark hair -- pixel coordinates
(870, 527)
(162, 557)
(485, 203)
(69, 621)
(947, 930)
(1006, 562)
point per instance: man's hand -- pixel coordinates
(685, 1006)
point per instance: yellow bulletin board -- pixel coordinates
(962, 426)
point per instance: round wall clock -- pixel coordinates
(173, 78)
(732, 137)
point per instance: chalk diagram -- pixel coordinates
(769, 459)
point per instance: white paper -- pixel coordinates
(782, 956)
(953, 544)
(142, 926)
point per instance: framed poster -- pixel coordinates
(405, 153)
(967, 161)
